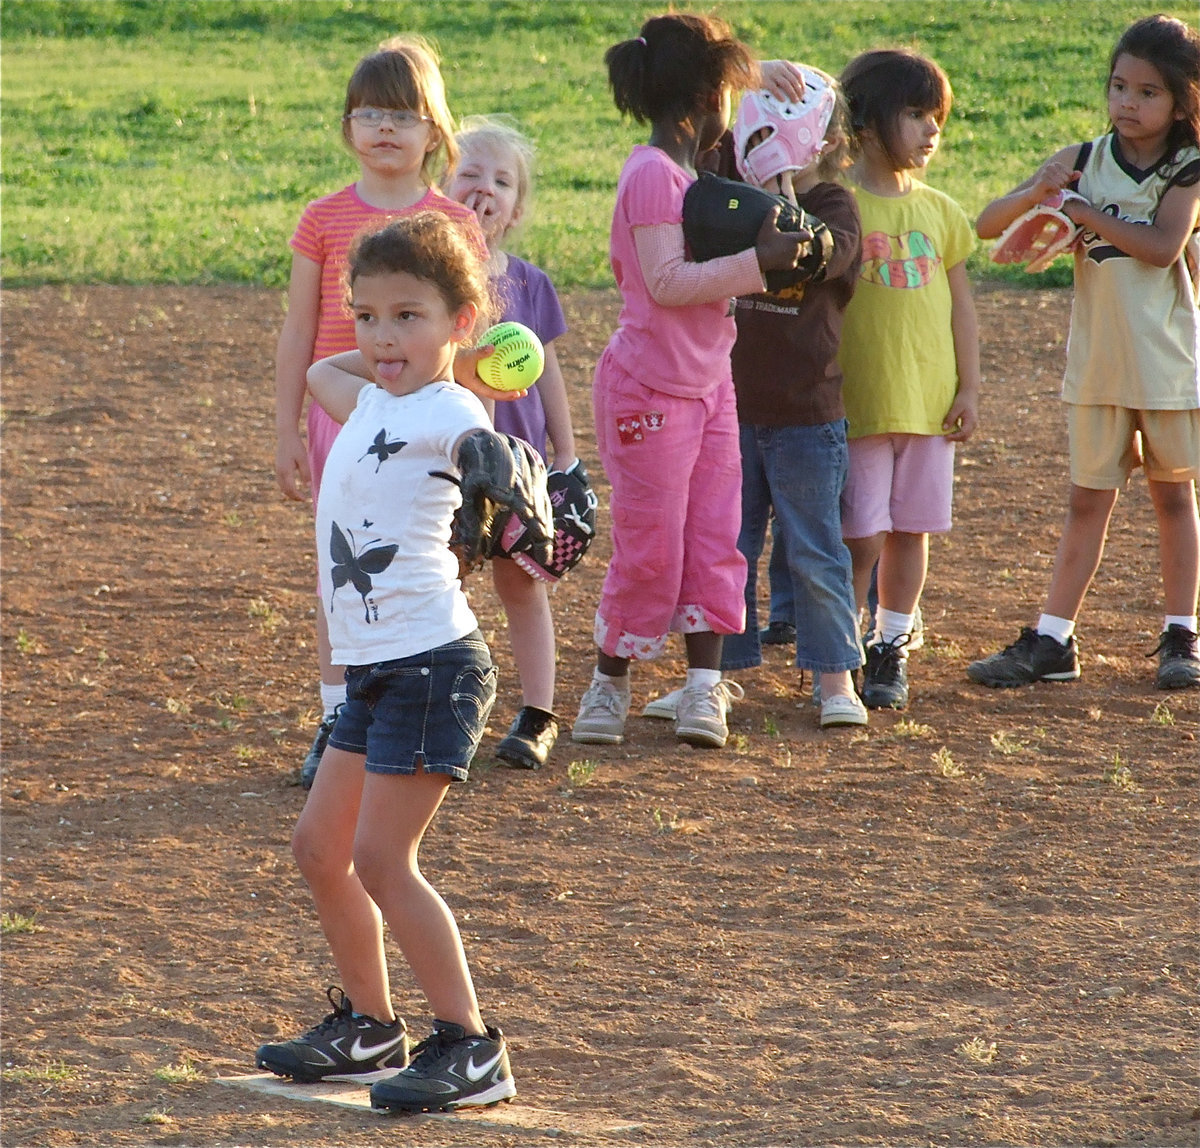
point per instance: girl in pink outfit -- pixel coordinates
(399, 129)
(666, 414)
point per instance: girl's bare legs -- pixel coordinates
(1079, 549)
(703, 650)
(1178, 544)
(903, 565)
(530, 631)
(396, 811)
(864, 553)
(323, 845)
(613, 667)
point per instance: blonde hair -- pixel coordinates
(404, 72)
(497, 133)
(839, 155)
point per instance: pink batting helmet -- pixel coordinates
(795, 131)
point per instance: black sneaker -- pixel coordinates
(1033, 657)
(449, 1070)
(308, 771)
(885, 676)
(342, 1047)
(777, 634)
(1178, 661)
(529, 742)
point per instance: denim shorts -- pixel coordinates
(428, 710)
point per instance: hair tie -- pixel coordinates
(641, 40)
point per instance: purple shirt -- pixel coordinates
(528, 297)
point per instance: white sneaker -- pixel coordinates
(700, 713)
(843, 709)
(601, 718)
(665, 706)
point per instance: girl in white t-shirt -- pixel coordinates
(419, 680)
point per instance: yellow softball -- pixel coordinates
(516, 362)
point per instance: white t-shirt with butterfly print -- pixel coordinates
(389, 584)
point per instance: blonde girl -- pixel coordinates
(494, 177)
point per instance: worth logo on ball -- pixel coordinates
(516, 362)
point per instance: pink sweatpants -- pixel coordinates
(676, 473)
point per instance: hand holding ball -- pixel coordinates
(517, 361)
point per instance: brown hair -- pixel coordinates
(669, 71)
(432, 247)
(404, 73)
(880, 85)
(1173, 48)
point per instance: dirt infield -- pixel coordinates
(973, 924)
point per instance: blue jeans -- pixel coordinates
(779, 577)
(799, 472)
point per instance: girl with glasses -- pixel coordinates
(397, 126)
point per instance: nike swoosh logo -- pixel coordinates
(360, 1051)
(476, 1073)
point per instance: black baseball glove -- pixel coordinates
(574, 504)
(723, 216)
(503, 481)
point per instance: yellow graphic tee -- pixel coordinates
(897, 350)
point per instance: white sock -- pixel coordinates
(620, 683)
(1184, 620)
(332, 697)
(1060, 629)
(705, 678)
(889, 625)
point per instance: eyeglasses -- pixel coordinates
(401, 117)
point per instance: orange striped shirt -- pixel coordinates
(325, 234)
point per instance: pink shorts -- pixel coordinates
(898, 482)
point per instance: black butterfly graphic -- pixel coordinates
(383, 449)
(356, 568)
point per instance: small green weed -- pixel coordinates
(1162, 714)
(182, 1072)
(977, 1050)
(665, 822)
(13, 923)
(770, 726)
(52, 1072)
(906, 727)
(946, 765)
(1119, 776)
(269, 619)
(26, 644)
(1003, 742)
(581, 772)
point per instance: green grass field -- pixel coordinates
(178, 140)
